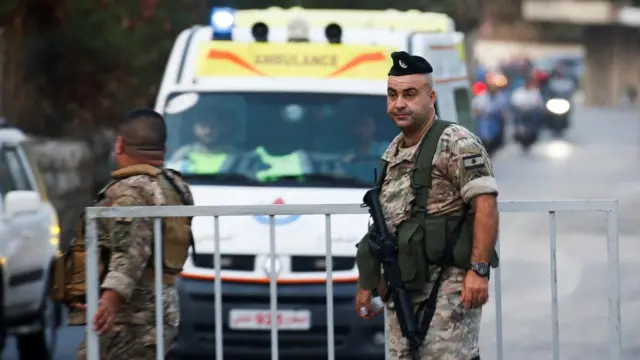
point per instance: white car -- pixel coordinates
(29, 237)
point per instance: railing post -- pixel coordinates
(329, 266)
(158, 265)
(91, 243)
(273, 289)
(217, 288)
(613, 266)
(497, 287)
(555, 328)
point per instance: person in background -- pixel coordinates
(490, 109)
(364, 131)
(527, 104)
(208, 139)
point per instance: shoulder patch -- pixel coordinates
(473, 161)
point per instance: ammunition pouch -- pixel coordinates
(69, 285)
(441, 229)
(411, 255)
(422, 241)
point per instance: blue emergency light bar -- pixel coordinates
(222, 22)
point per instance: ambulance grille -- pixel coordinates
(318, 263)
(228, 262)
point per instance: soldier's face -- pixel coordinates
(410, 101)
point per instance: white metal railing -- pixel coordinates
(610, 207)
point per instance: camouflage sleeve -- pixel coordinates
(131, 243)
(468, 165)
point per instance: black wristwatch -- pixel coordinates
(481, 269)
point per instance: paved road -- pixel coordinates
(600, 159)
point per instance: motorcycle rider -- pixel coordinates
(490, 107)
(527, 104)
(558, 93)
(560, 83)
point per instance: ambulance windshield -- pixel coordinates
(276, 138)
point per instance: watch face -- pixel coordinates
(481, 269)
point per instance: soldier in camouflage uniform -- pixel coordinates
(461, 174)
(125, 319)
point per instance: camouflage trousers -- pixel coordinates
(131, 342)
(454, 331)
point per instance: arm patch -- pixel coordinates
(472, 162)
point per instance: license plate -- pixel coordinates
(243, 319)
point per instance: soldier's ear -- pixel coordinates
(118, 146)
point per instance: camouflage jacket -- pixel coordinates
(461, 170)
(131, 241)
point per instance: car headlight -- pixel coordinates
(558, 106)
(55, 236)
(54, 232)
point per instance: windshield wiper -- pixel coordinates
(334, 179)
(225, 178)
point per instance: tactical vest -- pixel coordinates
(69, 283)
(423, 239)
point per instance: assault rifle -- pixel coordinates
(384, 247)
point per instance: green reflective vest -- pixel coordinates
(206, 163)
(282, 165)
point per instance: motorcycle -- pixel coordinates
(527, 127)
(558, 112)
(558, 105)
(490, 131)
(490, 121)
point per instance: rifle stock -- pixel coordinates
(383, 246)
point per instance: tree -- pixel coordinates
(81, 63)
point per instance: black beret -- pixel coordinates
(407, 64)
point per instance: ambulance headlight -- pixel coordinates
(222, 21)
(558, 106)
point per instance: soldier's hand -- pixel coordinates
(363, 300)
(108, 308)
(104, 318)
(475, 291)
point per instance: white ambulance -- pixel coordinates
(288, 106)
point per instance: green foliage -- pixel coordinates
(7, 7)
(101, 59)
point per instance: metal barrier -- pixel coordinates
(610, 207)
